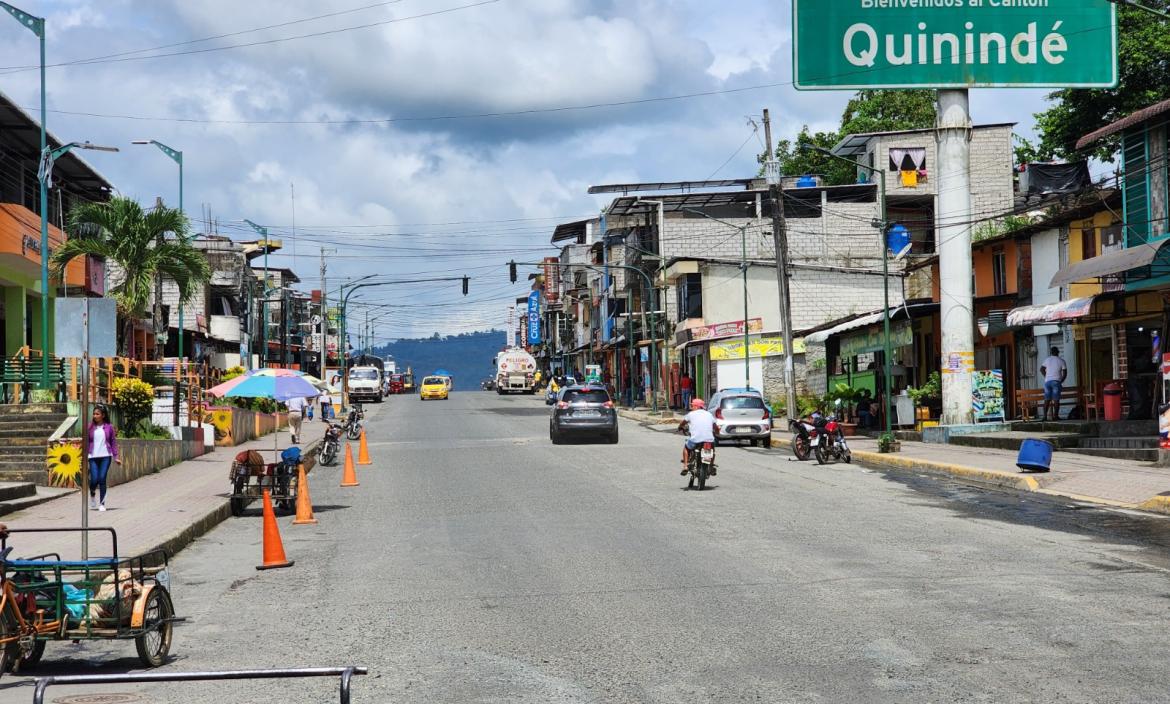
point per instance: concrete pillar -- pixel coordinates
(954, 249)
(14, 319)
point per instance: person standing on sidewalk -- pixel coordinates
(1055, 371)
(101, 446)
(326, 405)
(687, 386)
(296, 415)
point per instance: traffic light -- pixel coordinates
(512, 271)
(465, 280)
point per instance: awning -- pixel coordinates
(1108, 264)
(1049, 312)
(913, 311)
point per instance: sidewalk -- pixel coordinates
(168, 509)
(1111, 482)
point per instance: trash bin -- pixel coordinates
(1111, 398)
(1035, 456)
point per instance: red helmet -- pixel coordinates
(698, 403)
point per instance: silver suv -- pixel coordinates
(742, 414)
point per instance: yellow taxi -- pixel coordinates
(434, 387)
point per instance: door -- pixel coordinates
(730, 374)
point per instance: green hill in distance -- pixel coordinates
(470, 357)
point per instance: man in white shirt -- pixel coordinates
(1055, 371)
(296, 414)
(700, 427)
(326, 405)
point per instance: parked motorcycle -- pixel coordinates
(828, 442)
(801, 438)
(353, 422)
(330, 445)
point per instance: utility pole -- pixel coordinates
(780, 242)
(324, 348)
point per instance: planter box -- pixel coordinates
(848, 429)
(139, 458)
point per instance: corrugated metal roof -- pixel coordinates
(1124, 123)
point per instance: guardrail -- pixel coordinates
(345, 673)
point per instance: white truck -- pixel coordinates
(515, 372)
(365, 384)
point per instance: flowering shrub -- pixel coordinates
(134, 400)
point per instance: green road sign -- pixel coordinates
(858, 44)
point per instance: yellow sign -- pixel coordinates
(765, 346)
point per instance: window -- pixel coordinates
(999, 271)
(363, 374)
(1088, 242)
(586, 396)
(909, 163)
(738, 402)
(690, 297)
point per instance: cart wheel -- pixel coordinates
(155, 641)
(239, 504)
(10, 651)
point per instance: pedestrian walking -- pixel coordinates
(296, 415)
(1055, 371)
(101, 446)
(687, 385)
(326, 405)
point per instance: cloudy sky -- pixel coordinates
(378, 114)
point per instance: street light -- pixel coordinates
(747, 367)
(177, 157)
(45, 176)
(881, 223)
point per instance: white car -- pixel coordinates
(742, 414)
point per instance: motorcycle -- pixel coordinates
(829, 441)
(801, 438)
(330, 445)
(353, 423)
(700, 463)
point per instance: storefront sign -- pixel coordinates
(552, 280)
(859, 44)
(987, 395)
(874, 340)
(761, 346)
(511, 328)
(720, 330)
(534, 318)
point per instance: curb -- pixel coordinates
(984, 477)
(1158, 504)
(646, 417)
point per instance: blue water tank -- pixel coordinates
(806, 182)
(1035, 456)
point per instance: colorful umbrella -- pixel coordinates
(277, 384)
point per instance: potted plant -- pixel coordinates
(926, 395)
(848, 396)
(888, 443)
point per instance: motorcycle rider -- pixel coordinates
(699, 425)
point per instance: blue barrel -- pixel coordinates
(1035, 456)
(806, 182)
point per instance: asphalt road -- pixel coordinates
(478, 563)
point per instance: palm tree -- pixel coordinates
(120, 231)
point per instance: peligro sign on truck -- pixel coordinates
(859, 44)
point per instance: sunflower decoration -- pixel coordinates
(222, 422)
(63, 460)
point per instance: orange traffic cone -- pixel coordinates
(304, 501)
(363, 450)
(349, 476)
(273, 547)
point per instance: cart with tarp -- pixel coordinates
(46, 598)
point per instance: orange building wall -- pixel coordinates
(17, 222)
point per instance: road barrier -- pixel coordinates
(345, 673)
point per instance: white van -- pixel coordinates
(365, 384)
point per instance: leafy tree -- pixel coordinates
(867, 111)
(1144, 60)
(120, 231)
